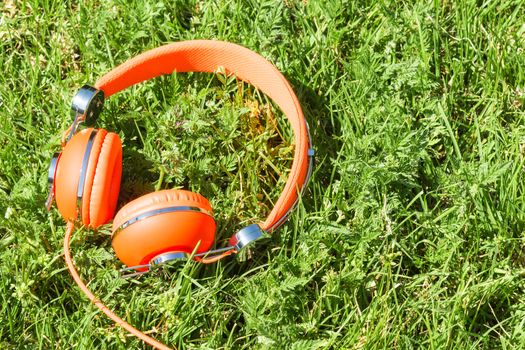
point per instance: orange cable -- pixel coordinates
(63, 139)
(96, 301)
(216, 258)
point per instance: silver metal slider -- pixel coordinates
(51, 180)
(246, 238)
(86, 107)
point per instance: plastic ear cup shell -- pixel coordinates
(67, 174)
(160, 222)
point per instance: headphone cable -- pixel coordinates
(69, 262)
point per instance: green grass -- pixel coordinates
(411, 232)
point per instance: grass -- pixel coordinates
(411, 232)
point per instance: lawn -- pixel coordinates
(411, 231)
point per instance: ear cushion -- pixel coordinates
(170, 231)
(104, 174)
(157, 200)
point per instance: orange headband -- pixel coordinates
(208, 56)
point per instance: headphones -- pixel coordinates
(84, 178)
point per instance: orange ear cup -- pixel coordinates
(160, 222)
(102, 178)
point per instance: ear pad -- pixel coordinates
(102, 183)
(160, 222)
(102, 174)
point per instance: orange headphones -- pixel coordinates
(84, 177)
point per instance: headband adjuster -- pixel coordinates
(86, 107)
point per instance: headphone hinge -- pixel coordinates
(245, 239)
(86, 106)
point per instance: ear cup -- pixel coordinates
(102, 183)
(159, 222)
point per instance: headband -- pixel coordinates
(209, 56)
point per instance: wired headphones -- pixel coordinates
(84, 178)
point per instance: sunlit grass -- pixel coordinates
(410, 235)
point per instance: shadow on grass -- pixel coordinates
(324, 132)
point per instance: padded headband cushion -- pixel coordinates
(208, 56)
